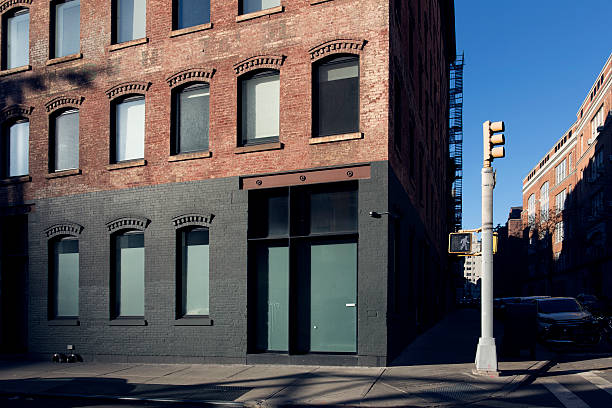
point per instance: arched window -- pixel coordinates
(16, 38)
(64, 278)
(336, 96)
(15, 146)
(191, 118)
(192, 284)
(130, 20)
(128, 274)
(259, 107)
(66, 20)
(64, 141)
(128, 115)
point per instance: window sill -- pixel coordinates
(194, 321)
(189, 30)
(336, 138)
(64, 322)
(16, 180)
(260, 13)
(65, 58)
(126, 44)
(63, 173)
(258, 148)
(126, 164)
(313, 2)
(128, 321)
(12, 71)
(190, 156)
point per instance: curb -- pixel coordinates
(203, 403)
(534, 371)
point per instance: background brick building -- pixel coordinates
(134, 205)
(567, 204)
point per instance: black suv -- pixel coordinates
(564, 320)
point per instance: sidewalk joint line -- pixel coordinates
(363, 395)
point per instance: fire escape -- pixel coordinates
(456, 138)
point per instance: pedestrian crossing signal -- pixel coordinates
(460, 243)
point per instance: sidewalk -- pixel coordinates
(435, 370)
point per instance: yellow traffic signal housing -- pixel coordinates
(495, 241)
(460, 243)
(493, 141)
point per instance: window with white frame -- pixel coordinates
(561, 171)
(598, 120)
(64, 152)
(129, 132)
(544, 202)
(559, 232)
(16, 148)
(560, 201)
(16, 33)
(531, 209)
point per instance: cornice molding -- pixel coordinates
(190, 75)
(9, 4)
(339, 46)
(63, 101)
(192, 220)
(17, 110)
(259, 62)
(131, 223)
(68, 228)
(128, 88)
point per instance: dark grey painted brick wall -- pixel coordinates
(161, 340)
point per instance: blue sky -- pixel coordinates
(529, 63)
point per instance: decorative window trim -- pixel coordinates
(131, 223)
(190, 75)
(9, 4)
(15, 111)
(340, 46)
(64, 101)
(192, 220)
(127, 88)
(67, 228)
(260, 62)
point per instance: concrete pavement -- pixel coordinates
(435, 370)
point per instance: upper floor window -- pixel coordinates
(598, 120)
(64, 279)
(544, 202)
(560, 201)
(260, 107)
(559, 232)
(130, 20)
(336, 96)
(129, 129)
(251, 6)
(127, 280)
(16, 39)
(191, 119)
(561, 171)
(67, 28)
(16, 148)
(531, 209)
(193, 273)
(189, 13)
(65, 141)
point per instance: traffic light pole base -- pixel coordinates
(486, 357)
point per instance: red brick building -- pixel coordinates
(270, 140)
(567, 202)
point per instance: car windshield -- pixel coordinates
(559, 306)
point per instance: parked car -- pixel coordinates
(591, 303)
(565, 320)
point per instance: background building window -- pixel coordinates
(531, 209)
(191, 119)
(559, 232)
(130, 20)
(65, 141)
(260, 107)
(560, 201)
(67, 30)
(193, 273)
(561, 172)
(544, 202)
(16, 148)
(129, 134)
(189, 13)
(128, 278)
(64, 280)
(17, 39)
(336, 97)
(251, 6)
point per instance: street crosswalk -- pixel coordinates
(573, 392)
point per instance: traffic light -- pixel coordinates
(460, 243)
(492, 141)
